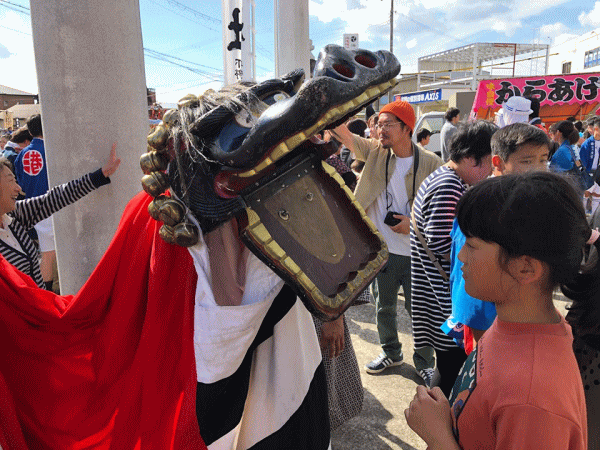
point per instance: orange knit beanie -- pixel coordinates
(403, 111)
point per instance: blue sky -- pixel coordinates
(191, 31)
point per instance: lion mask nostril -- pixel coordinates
(366, 60)
(344, 70)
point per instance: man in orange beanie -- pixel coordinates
(394, 169)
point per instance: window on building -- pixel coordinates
(566, 67)
(592, 58)
(5, 103)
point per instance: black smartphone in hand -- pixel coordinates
(390, 219)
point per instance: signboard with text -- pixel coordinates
(549, 90)
(351, 41)
(433, 95)
(559, 95)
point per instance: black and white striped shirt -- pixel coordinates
(434, 210)
(33, 210)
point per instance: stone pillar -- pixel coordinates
(292, 45)
(90, 70)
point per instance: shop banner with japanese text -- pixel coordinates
(549, 90)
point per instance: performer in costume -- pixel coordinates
(205, 346)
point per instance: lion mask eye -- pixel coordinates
(232, 135)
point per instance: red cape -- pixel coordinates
(113, 366)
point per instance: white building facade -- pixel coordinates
(579, 54)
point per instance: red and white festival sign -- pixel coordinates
(33, 163)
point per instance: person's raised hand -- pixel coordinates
(113, 162)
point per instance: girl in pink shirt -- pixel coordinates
(521, 387)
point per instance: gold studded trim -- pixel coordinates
(259, 233)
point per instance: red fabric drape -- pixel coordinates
(111, 367)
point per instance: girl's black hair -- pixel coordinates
(537, 214)
(568, 130)
(540, 214)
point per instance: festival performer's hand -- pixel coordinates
(402, 227)
(113, 162)
(332, 337)
(429, 416)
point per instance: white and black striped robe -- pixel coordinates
(261, 382)
(434, 210)
(29, 212)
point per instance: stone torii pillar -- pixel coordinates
(90, 71)
(292, 43)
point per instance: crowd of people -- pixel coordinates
(477, 274)
(478, 241)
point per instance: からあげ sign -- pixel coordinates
(549, 90)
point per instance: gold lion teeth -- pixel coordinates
(249, 173)
(275, 251)
(295, 141)
(362, 98)
(305, 282)
(291, 266)
(373, 91)
(335, 112)
(280, 151)
(264, 164)
(261, 234)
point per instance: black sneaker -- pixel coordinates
(381, 363)
(427, 375)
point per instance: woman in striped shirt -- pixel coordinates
(433, 211)
(17, 217)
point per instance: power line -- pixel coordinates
(14, 7)
(167, 58)
(194, 12)
(16, 31)
(165, 55)
(21, 8)
(187, 17)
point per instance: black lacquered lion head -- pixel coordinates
(248, 151)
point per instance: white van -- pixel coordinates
(433, 121)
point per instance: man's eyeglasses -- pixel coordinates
(384, 125)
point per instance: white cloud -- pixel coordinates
(591, 18)
(435, 4)
(412, 43)
(507, 27)
(551, 31)
(19, 61)
(357, 20)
